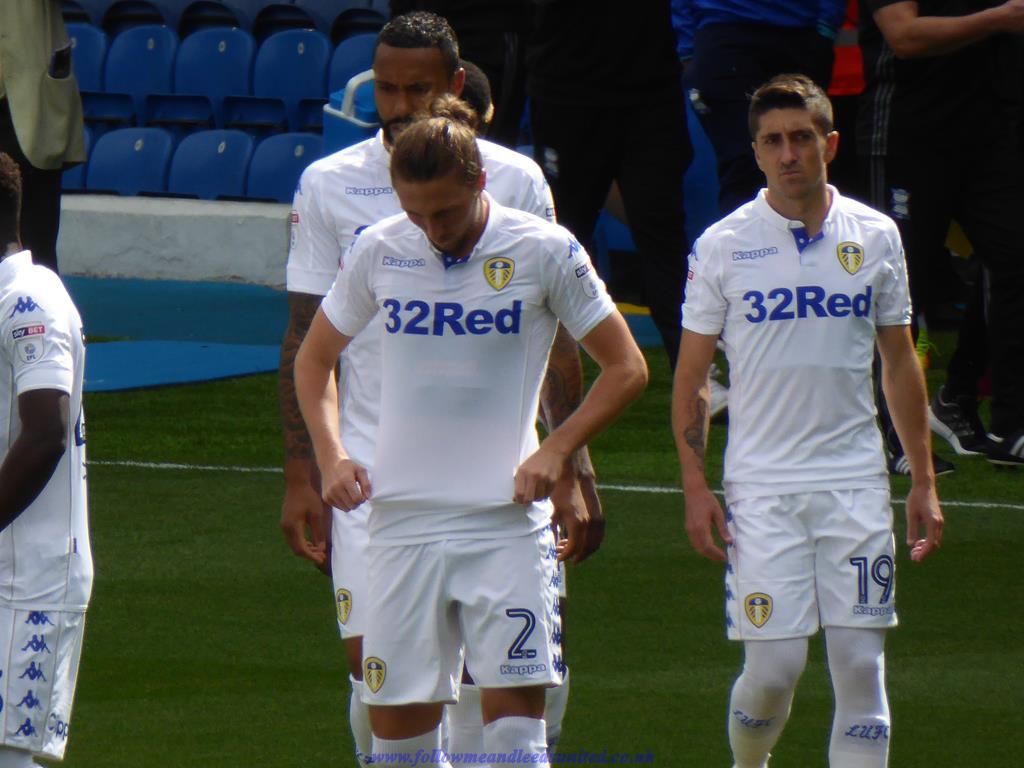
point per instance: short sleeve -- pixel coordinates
(576, 295)
(350, 303)
(892, 304)
(314, 252)
(37, 341)
(705, 306)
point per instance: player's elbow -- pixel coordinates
(48, 443)
(636, 377)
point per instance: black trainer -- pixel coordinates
(957, 421)
(899, 465)
(1007, 451)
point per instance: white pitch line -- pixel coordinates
(192, 467)
(601, 486)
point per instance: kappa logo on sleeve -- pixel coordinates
(25, 304)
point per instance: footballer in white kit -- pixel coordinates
(797, 318)
(461, 552)
(338, 197)
(46, 568)
(802, 285)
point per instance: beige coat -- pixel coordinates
(46, 111)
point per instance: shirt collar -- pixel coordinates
(494, 217)
(799, 232)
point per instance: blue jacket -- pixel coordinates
(689, 15)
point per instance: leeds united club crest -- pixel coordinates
(759, 608)
(850, 255)
(344, 599)
(498, 271)
(374, 672)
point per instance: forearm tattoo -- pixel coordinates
(563, 382)
(301, 308)
(695, 433)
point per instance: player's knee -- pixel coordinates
(776, 665)
(855, 650)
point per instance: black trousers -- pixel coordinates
(729, 62)
(982, 189)
(40, 197)
(646, 149)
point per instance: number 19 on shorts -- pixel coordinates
(876, 577)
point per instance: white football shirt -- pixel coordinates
(797, 317)
(338, 197)
(45, 556)
(463, 352)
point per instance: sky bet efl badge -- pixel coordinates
(344, 598)
(759, 608)
(851, 256)
(374, 672)
(498, 271)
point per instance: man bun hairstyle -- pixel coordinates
(452, 108)
(434, 148)
(791, 91)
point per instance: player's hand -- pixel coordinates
(345, 484)
(536, 477)
(704, 517)
(570, 513)
(923, 510)
(595, 530)
(306, 524)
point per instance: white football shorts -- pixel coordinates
(494, 597)
(39, 654)
(805, 560)
(349, 540)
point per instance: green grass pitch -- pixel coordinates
(209, 644)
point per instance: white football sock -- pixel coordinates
(761, 698)
(860, 729)
(507, 734)
(359, 721)
(465, 727)
(555, 701)
(417, 751)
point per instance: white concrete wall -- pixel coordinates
(173, 239)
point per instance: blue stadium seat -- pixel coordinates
(73, 179)
(280, 15)
(85, 11)
(352, 56)
(129, 161)
(211, 64)
(357, 21)
(289, 84)
(124, 14)
(203, 14)
(88, 55)
(278, 162)
(211, 164)
(139, 62)
(328, 14)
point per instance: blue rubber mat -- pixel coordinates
(174, 332)
(117, 365)
(173, 310)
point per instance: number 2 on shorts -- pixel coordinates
(516, 651)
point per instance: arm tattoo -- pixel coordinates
(695, 433)
(301, 309)
(563, 382)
